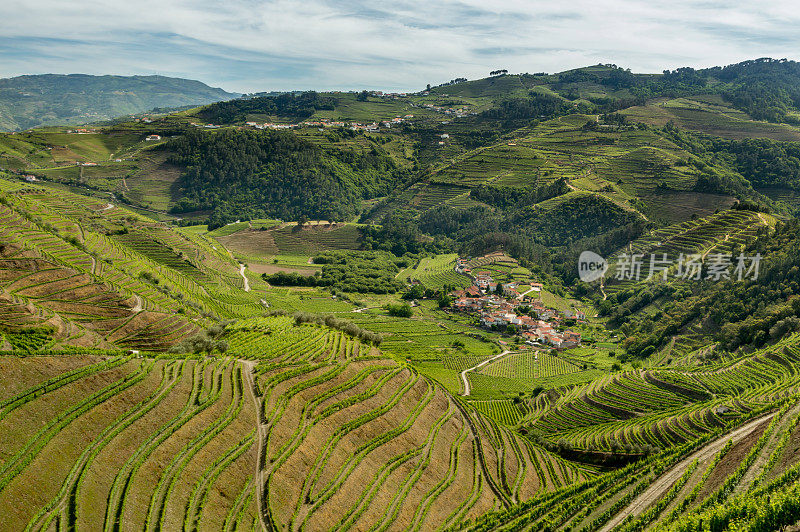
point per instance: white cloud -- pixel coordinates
(282, 44)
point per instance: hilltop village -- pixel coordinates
(325, 123)
(502, 307)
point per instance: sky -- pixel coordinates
(264, 45)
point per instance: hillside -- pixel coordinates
(365, 311)
(83, 279)
(602, 128)
(55, 99)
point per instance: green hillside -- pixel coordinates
(224, 403)
(47, 99)
(364, 311)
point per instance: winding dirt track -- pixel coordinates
(246, 281)
(258, 477)
(464, 378)
(658, 488)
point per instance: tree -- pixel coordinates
(400, 310)
(415, 292)
(362, 96)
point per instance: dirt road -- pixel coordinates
(658, 488)
(258, 478)
(464, 378)
(246, 282)
(139, 302)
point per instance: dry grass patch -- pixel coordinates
(96, 486)
(21, 373)
(41, 480)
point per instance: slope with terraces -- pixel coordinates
(216, 443)
(100, 276)
(721, 443)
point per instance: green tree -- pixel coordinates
(400, 310)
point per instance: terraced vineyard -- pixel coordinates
(503, 410)
(726, 233)
(436, 272)
(153, 443)
(665, 408)
(635, 168)
(83, 311)
(529, 366)
(257, 243)
(219, 442)
(310, 429)
(746, 477)
(152, 379)
(378, 439)
(98, 275)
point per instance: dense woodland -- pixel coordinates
(269, 174)
(764, 162)
(536, 105)
(506, 196)
(287, 104)
(766, 89)
(349, 271)
(539, 235)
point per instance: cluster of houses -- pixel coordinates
(325, 123)
(458, 113)
(498, 303)
(270, 125)
(388, 95)
(81, 131)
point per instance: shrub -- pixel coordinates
(400, 310)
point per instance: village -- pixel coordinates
(502, 307)
(459, 112)
(326, 123)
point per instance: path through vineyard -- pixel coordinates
(249, 366)
(475, 367)
(663, 484)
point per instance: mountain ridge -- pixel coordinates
(36, 100)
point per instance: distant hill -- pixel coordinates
(48, 99)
